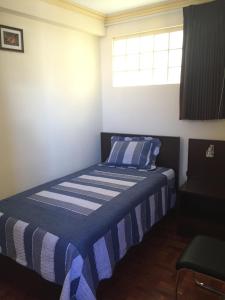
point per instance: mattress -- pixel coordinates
(73, 230)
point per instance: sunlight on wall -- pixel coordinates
(50, 100)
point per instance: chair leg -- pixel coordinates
(177, 283)
(208, 288)
(200, 282)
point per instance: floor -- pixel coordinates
(147, 272)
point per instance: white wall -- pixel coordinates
(50, 107)
(149, 109)
(56, 12)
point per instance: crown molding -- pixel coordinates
(43, 11)
(127, 15)
(69, 5)
(145, 11)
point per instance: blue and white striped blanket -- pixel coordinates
(72, 231)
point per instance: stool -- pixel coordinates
(204, 256)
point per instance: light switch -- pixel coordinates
(210, 151)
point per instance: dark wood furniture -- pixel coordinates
(204, 261)
(169, 155)
(201, 200)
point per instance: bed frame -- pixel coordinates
(169, 156)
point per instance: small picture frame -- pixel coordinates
(11, 39)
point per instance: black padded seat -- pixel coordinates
(204, 255)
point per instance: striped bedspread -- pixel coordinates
(73, 231)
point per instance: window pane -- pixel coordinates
(132, 78)
(146, 60)
(126, 78)
(161, 41)
(146, 43)
(160, 59)
(174, 75)
(132, 62)
(119, 47)
(176, 39)
(175, 57)
(119, 78)
(119, 63)
(145, 77)
(160, 75)
(133, 45)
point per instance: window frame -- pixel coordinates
(147, 81)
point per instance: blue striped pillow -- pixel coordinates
(137, 152)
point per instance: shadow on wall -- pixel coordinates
(7, 180)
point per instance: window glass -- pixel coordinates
(119, 47)
(161, 41)
(147, 59)
(133, 45)
(146, 43)
(132, 62)
(176, 39)
(175, 58)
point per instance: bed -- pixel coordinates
(79, 226)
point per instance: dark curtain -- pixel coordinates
(202, 90)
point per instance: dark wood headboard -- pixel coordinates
(169, 156)
(205, 168)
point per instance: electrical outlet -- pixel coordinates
(210, 152)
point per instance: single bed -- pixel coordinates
(73, 230)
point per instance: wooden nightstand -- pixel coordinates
(201, 200)
(201, 208)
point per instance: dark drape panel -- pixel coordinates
(202, 91)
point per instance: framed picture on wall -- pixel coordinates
(11, 39)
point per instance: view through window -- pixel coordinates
(147, 59)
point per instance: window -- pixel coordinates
(147, 59)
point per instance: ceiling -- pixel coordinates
(114, 6)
